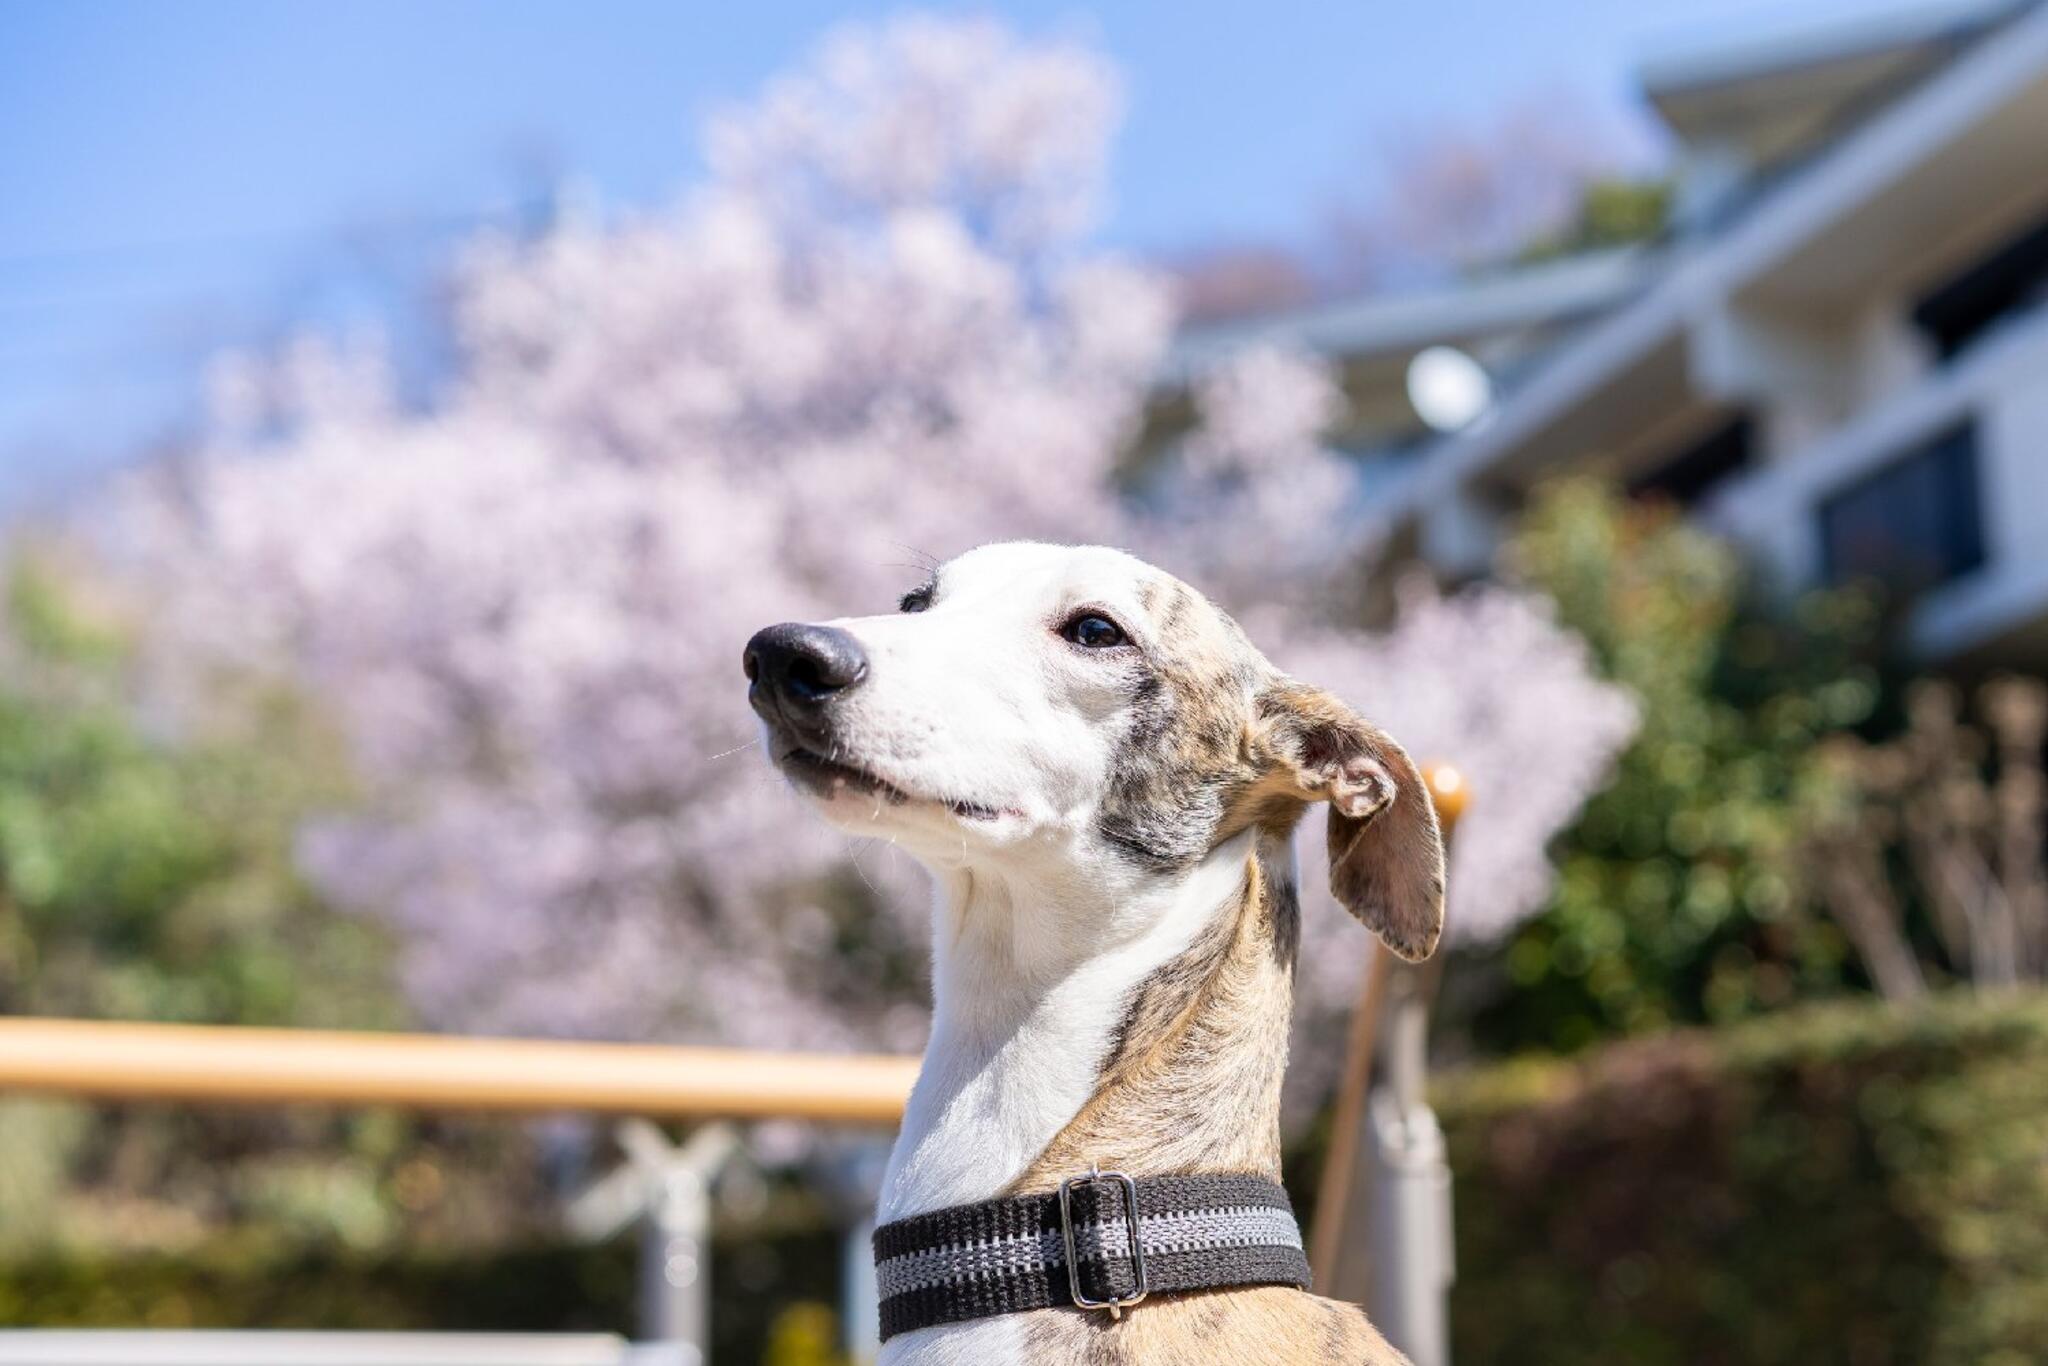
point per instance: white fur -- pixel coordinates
(980, 700)
(1027, 990)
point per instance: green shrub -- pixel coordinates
(1844, 1184)
(146, 868)
(252, 1283)
(147, 872)
(1677, 896)
(770, 1293)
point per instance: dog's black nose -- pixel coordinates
(796, 669)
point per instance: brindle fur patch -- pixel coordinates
(1258, 1326)
(1266, 1326)
(1219, 743)
(1182, 760)
(1192, 1083)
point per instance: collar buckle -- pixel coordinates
(1115, 1304)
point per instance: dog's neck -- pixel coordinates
(1142, 1028)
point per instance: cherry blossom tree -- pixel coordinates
(873, 335)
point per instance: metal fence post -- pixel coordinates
(675, 1246)
(851, 1175)
(862, 1312)
(675, 1263)
(667, 1190)
(1409, 1233)
(1383, 1213)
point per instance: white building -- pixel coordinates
(1840, 354)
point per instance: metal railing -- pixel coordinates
(666, 1190)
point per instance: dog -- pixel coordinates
(1103, 777)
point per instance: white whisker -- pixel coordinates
(727, 754)
(853, 856)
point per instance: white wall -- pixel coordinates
(2003, 385)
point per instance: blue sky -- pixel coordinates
(175, 177)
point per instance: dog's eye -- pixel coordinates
(1093, 631)
(917, 599)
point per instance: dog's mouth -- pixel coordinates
(832, 778)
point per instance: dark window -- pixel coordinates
(1913, 524)
(1684, 477)
(2009, 281)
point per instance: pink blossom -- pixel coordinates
(874, 334)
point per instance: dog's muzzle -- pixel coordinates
(797, 672)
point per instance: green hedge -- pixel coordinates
(548, 1287)
(1843, 1185)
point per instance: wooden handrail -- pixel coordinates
(239, 1065)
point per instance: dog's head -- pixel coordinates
(1075, 708)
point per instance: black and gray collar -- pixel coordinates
(1075, 1247)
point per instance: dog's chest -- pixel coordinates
(1010, 1064)
(980, 1114)
(985, 1342)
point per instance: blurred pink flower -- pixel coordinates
(871, 336)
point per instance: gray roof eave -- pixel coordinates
(1392, 324)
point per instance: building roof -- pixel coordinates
(1880, 197)
(1390, 324)
(1778, 94)
(1797, 51)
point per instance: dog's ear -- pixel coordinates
(1386, 853)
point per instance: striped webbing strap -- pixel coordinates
(1001, 1256)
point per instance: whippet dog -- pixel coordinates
(1103, 776)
